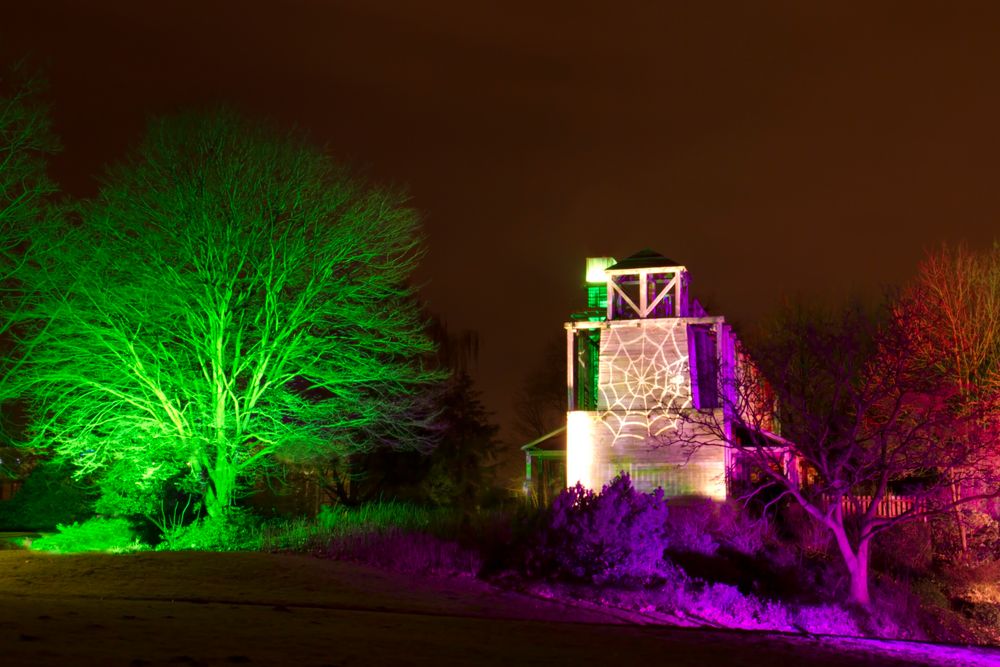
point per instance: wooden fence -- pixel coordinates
(888, 507)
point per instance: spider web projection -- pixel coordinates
(645, 379)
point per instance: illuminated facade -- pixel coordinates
(640, 358)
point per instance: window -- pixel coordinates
(702, 346)
(597, 297)
(588, 348)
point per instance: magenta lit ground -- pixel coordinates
(263, 609)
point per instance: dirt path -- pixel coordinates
(263, 609)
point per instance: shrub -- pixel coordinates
(895, 612)
(50, 496)
(97, 534)
(813, 539)
(931, 592)
(904, 550)
(825, 619)
(964, 600)
(982, 534)
(237, 530)
(736, 529)
(703, 526)
(617, 534)
(725, 605)
(689, 527)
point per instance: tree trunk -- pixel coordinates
(956, 497)
(856, 561)
(859, 577)
(221, 489)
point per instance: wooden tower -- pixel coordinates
(639, 357)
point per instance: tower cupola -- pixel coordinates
(646, 285)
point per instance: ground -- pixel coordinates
(272, 609)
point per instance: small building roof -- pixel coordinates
(644, 259)
(548, 442)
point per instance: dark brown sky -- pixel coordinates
(772, 147)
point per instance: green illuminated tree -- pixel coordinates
(231, 297)
(26, 141)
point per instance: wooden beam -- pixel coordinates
(624, 296)
(642, 293)
(543, 454)
(677, 298)
(683, 306)
(661, 295)
(610, 300)
(687, 320)
(570, 365)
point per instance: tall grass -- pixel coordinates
(384, 515)
(400, 536)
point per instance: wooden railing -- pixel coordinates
(888, 507)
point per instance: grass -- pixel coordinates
(399, 536)
(410, 538)
(340, 522)
(392, 534)
(695, 585)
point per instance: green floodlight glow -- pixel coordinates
(237, 301)
(596, 266)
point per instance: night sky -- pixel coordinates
(773, 148)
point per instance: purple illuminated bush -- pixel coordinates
(615, 535)
(703, 526)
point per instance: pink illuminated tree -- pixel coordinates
(860, 416)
